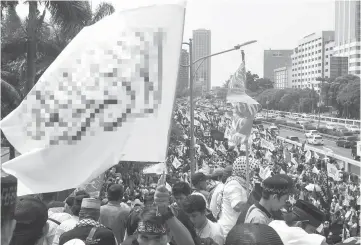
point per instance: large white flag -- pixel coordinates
(176, 163)
(107, 97)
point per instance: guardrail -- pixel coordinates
(343, 121)
(327, 136)
(349, 164)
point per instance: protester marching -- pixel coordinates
(123, 155)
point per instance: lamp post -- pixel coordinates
(322, 80)
(191, 88)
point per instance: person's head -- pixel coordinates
(48, 197)
(8, 202)
(113, 170)
(227, 172)
(115, 193)
(249, 234)
(31, 215)
(152, 230)
(180, 191)
(69, 202)
(240, 167)
(78, 199)
(195, 208)
(276, 190)
(217, 174)
(306, 216)
(90, 209)
(199, 180)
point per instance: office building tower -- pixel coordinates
(183, 73)
(348, 33)
(273, 59)
(201, 48)
(282, 77)
(311, 59)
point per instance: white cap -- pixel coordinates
(74, 242)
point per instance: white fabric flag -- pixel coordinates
(105, 98)
(333, 172)
(158, 168)
(268, 145)
(176, 163)
(308, 156)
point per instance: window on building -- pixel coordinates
(326, 76)
(326, 63)
(326, 49)
(326, 70)
(326, 56)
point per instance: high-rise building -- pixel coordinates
(201, 48)
(338, 66)
(183, 73)
(282, 77)
(348, 33)
(273, 59)
(311, 59)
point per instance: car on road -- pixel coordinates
(353, 128)
(274, 128)
(293, 138)
(347, 141)
(355, 151)
(310, 133)
(315, 140)
(330, 126)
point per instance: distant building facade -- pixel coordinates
(183, 72)
(338, 66)
(273, 59)
(201, 48)
(282, 77)
(311, 59)
(348, 33)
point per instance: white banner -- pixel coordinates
(176, 163)
(107, 97)
(333, 172)
(158, 168)
(268, 145)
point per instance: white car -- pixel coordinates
(311, 133)
(274, 128)
(315, 140)
(353, 128)
(330, 126)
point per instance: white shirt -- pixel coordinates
(233, 194)
(213, 204)
(211, 230)
(295, 235)
(65, 226)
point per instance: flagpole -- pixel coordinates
(247, 173)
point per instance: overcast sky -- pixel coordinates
(276, 24)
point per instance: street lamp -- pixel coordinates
(191, 85)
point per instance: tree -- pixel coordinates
(251, 81)
(29, 47)
(264, 83)
(349, 98)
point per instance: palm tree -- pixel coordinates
(29, 47)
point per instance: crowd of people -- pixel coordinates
(266, 193)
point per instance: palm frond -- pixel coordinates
(69, 14)
(102, 10)
(9, 94)
(48, 48)
(14, 48)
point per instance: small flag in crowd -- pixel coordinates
(244, 107)
(268, 145)
(176, 163)
(333, 172)
(158, 168)
(308, 155)
(99, 103)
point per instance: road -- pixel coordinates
(345, 152)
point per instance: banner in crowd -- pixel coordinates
(268, 145)
(176, 163)
(333, 172)
(107, 97)
(158, 168)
